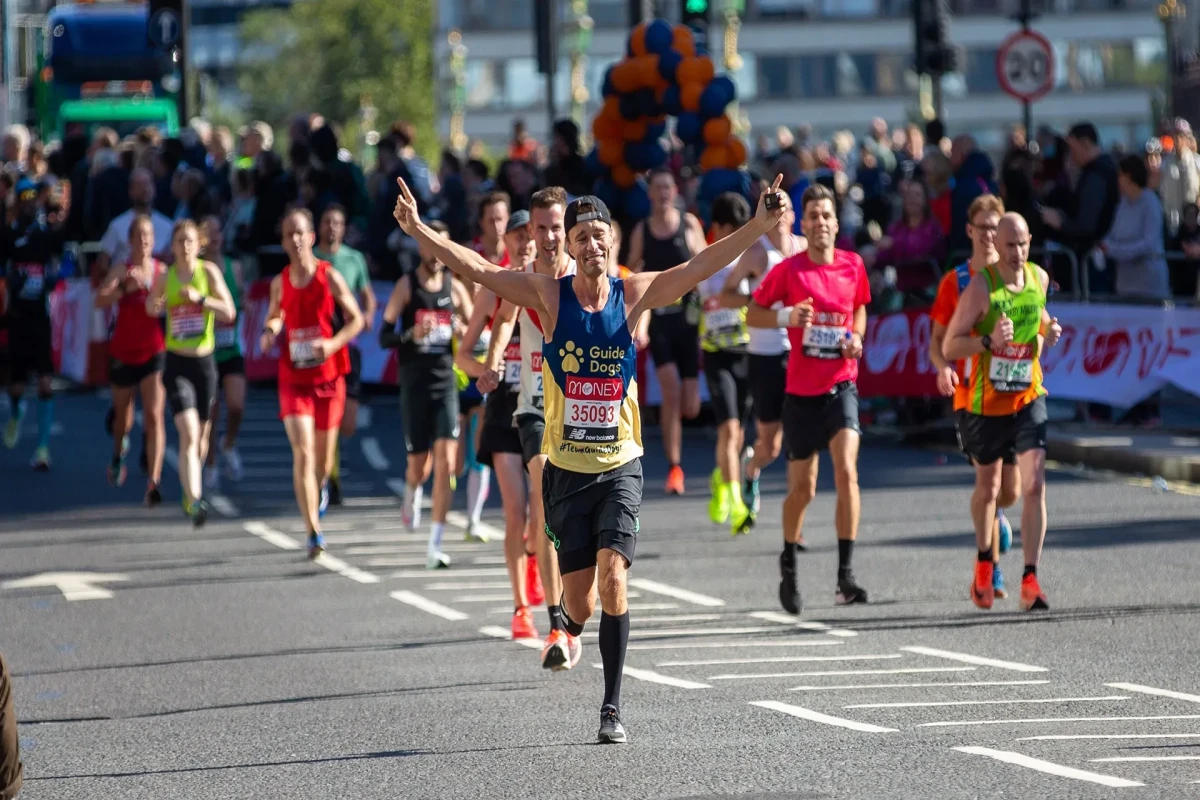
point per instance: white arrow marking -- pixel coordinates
(73, 585)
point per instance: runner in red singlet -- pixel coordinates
(138, 355)
(313, 361)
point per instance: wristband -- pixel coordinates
(783, 317)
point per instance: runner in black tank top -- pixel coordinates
(426, 304)
(674, 329)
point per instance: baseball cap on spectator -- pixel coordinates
(517, 219)
(26, 189)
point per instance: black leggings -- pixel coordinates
(191, 382)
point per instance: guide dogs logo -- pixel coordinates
(571, 355)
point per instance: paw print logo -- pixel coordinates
(570, 357)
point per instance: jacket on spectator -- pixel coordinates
(976, 176)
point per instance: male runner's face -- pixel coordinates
(820, 224)
(333, 229)
(1012, 240)
(663, 191)
(982, 231)
(297, 236)
(519, 246)
(492, 222)
(548, 234)
(590, 243)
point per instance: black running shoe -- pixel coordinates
(848, 591)
(199, 513)
(789, 586)
(153, 495)
(335, 492)
(611, 729)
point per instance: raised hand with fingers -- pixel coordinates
(406, 209)
(802, 314)
(1053, 332)
(773, 204)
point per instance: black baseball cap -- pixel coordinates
(517, 219)
(578, 211)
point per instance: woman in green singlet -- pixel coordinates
(231, 366)
(194, 296)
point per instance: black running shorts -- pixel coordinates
(728, 377)
(810, 423)
(231, 367)
(530, 427)
(191, 383)
(495, 439)
(29, 353)
(586, 513)
(986, 440)
(674, 341)
(127, 376)
(768, 384)
(427, 413)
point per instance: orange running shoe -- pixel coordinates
(674, 480)
(522, 625)
(982, 592)
(555, 655)
(533, 582)
(1032, 598)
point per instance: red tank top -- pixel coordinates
(308, 314)
(137, 336)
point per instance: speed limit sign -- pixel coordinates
(1025, 65)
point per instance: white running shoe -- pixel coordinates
(232, 461)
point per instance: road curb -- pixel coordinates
(1092, 452)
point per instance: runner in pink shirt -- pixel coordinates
(824, 294)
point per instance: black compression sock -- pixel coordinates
(845, 551)
(985, 555)
(556, 618)
(614, 639)
(573, 628)
(1030, 569)
(789, 552)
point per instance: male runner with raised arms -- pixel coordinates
(769, 350)
(1000, 329)
(824, 292)
(547, 207)
(431, 307)
(982, 218)
(593, 484)
(666, 238)
(305, 299)
(352, 266)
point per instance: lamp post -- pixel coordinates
(1171, 12)
(458, 93)
(581, 25)
(731, 15)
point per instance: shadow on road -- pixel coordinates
(255, 765)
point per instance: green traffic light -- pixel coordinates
(696, 6)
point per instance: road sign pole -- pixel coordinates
(1025, 16)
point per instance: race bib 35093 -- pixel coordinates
(592, 409)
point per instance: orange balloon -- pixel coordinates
(647, 71)
(611, 109)
(735, 154)
(603, 128)
(689, 96)
(623, 176)
(714, 157)
(716, 131)
(637, 39)
(633, 130)
(695, 70)
(610, 151)
(625, 76)
(683, 42)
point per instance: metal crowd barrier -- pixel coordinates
(1051, 258)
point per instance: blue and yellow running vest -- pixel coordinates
(591, 402)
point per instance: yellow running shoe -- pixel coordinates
(718, 505)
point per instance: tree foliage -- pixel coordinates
(327, 56)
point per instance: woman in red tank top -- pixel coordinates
(137, 351)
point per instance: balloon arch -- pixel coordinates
(660, 76)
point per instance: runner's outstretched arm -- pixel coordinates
(960, 344)
(650, 290)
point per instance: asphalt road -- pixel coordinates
(225, 665)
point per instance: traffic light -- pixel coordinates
(931, 25)
(696, 12)
(545, 26)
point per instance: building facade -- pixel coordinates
(836, 64)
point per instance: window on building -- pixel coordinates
(894, 74)
(855, 74)
(817, 75)
(1149, 62)
(979, 71)
(482, 84)
(774, 76)
(524, 86)
(746, 78)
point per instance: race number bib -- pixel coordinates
(227, 336)
(535, 367)
(300, 348)
(1011, 369)
(512, 363)
(823, 342)
(187, 321)
(592, 409)
(717, 319)
(438, 339)
(35, 280)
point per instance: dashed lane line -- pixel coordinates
(1049, 767)
(739, 644)
(651, 676)
(1142, 758)
(1047, 720)
(1137, 687)
(269, 534)
(978, 660)
(938, 685)
(1070, 737)
(429, 606)
(667, 590)
(806, 625)
(331, 563)
(740, 677)
(939, 703)
(824, 719)
(772, 660)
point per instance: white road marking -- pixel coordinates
(679, 618)
(223, 505)
(704, 645)
(505, 633)
(373, 453)
(1048, 767)
(682, 631)
(397, 486)
(1137, 687)
(459, 587)
(365, 417)
(651, 606)
(1143, 758)
(673, 591)
(978, 660)
(269, 534)
(849, 686)
(654, 677)
(73, 585)
(990, 702)
(825, 719)
(739, 677)
(429, 606)
(371, 502)
(409, 548)
(774, 660)
(488, 598)
(478, 561)
(1065, 738)
(807, 625)
(335, 564)
(458, 519)
(441, 573)
(1050, 719)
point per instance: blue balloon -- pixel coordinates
(713, 101)
(638, 155)
(606, 88)
(592, 164)
(657, 156)
(636, 201)
(689, 128)
(726, 86)
(718, 181)
(671, 102)
(668, 63)
(631, 106)
(608, 192)
(655, 131)
(659, 37)
(647, 103)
